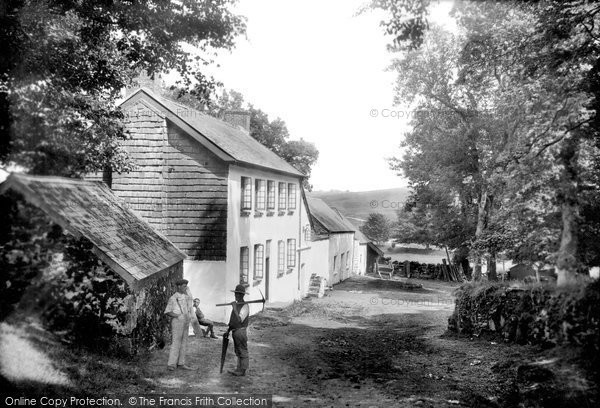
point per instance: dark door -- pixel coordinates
(267, 268)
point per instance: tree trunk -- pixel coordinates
(491, 267)
(485, 204)
(566, 261)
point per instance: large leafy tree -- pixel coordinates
(63, 64)
(526, 78)
(540, 60)
(377, 227)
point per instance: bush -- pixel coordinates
(537, 314)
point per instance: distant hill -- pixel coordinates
(357, 205)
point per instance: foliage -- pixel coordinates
(84, 297)
(377, 227)
(64, 63)
(515, 151)
(536, 314)
(27, 242)
(406, 21)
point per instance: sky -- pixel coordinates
(322, 69)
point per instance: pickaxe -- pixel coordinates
(263, 301)
(226, 334)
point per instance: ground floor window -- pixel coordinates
(280, 258)
(291, 256)
(259, 251)
(244, 264)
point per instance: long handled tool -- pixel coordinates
(226, 334)
(263, 301)
(224, 349)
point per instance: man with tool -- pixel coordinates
(238, 322)
(181, 311)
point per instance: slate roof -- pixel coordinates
(361, 237)
(90, 209)
(235, 143)
(329, 218)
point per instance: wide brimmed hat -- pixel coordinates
(181, 282)
(240, 289)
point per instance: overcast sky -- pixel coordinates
(322, 69)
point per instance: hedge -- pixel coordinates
(537, 314)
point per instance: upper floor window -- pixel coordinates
(244, 264)
(307, 233)
(280, 257)
(335, 264)
(291, 256)
(259, 261)
(246, 193)
(342, 264)
(282, 195)
(291, 196)
(348, 260)
(260, 189)
(270, 195)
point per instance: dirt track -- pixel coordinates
(368, 343)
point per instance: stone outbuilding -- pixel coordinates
(146, 260)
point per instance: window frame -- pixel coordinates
(281, 259)
(282, 198)
(291, 196)
(259, 261)
(291, 253)
(271, 195)
(244, 264)
(260, 194)
(246, 194)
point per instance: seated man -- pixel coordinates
(204, 322)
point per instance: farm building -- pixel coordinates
(122, 242)
(367, 254)
(332, 246)
(228, 202)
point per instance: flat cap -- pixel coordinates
(181, 282)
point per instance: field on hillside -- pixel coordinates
(357, 205)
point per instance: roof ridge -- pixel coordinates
(56, 179)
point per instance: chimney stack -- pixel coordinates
(144, 81)
(238, 118)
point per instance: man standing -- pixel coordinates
(238, 322)
(180, 310)
(204, 321)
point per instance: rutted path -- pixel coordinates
(368, 343)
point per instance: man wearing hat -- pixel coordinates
(181, 311)
(238, 322)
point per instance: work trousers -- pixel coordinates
(209, 325)
(240, 345)
(179, 329)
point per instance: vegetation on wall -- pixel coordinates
(53, 275)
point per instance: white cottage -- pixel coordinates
(228, 202)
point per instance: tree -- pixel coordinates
(522, 93)
(63, 64)
(547, 87)
(376, 228)
(452, 145)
